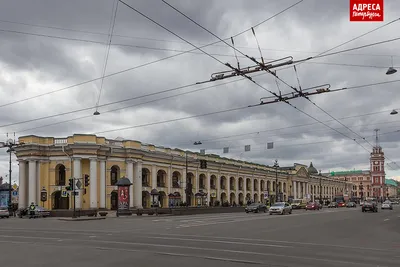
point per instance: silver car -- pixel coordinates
(280, 208)
(4, 213)
(387, 205)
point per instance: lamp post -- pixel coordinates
(320, 187)
(10, 144)
(276, 165)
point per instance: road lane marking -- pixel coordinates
(386, 220)
(176, 247)
(274, 241)
(220, 241)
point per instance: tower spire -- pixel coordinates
(376, 138)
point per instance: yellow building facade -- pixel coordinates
(46, 164)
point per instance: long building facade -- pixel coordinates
(158, 175)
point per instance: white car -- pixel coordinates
(387, 205)
(280, 208)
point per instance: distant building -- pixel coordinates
(392, 188)
(360, 179)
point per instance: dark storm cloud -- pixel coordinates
(40, 64)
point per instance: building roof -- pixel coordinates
(391, 182)
(349, 172)
(312, 169)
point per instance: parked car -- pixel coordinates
(369, 206)
(256, 207)
(313, 206)
(387, 205)
(42, 212)
(4, 213)
(333, 205)
(351, 205)
(280, 208)
(341, 204)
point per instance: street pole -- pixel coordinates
(73, 191)
(187, 184)
(276, 165)
(9, 179)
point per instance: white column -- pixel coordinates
(307, 192)
(228, 189)
(153, 176)
(93, 183)
(294, 189)
(32, 182)
(137, 178)
(252, 189)
(237, 190)
(208, 186)
(244, 190)
(22, 202)
(77, 175)
(219, 187)
(183, 185)
(103, 192)
(129, 174)
(169, 180)
(38, 188)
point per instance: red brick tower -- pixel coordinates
(377, 161)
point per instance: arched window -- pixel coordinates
(114, 174)
(60, 175)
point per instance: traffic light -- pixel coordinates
(203, 164)
(70, 186)
(87, 180)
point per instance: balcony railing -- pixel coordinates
(145, 183)
(175, 185)
(160, 184)
(212, 186)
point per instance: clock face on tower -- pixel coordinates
(375, 162)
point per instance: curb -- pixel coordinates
(81, 219)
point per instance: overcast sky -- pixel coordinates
(34, 62)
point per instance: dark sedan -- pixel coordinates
(369, 206)
(333, 205)
(256, 207)
(313, 206)
(351, 205)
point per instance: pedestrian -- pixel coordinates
(32, 209)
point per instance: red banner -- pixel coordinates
(366, 10)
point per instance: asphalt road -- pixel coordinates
(331, 237)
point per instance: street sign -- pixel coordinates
(64, 193)
(78, 184)
(15, 193)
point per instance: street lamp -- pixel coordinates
(391, 70)
(10, 144)
(320, 187)
(276, 166)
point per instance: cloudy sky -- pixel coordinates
(53, 45)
